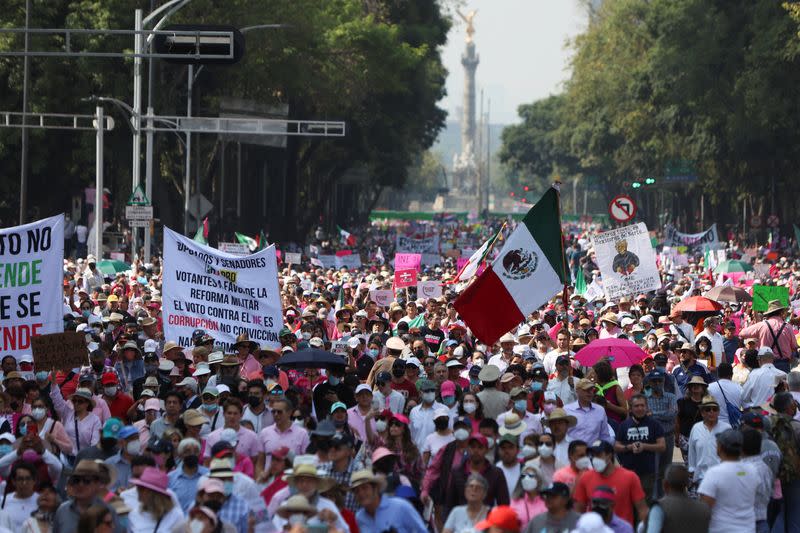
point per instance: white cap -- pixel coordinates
(215, 357)
(354, 342)
(201, 369)
(627, 321)
(459, 351)
(223, 388)
(165, 365)
(440, 412)
(25, 358)
(316, 342)
(80, 327)
(453, 362)
(765, 350)
(95, 320)
(188, 382)
(150, 346)
(363, 387)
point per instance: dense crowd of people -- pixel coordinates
(421, 427)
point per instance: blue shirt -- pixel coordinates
(123, 469)
(235, 511)
(682, 376)
(185, 486)
(391, 513)
(618, 525)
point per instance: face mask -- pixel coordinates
(299, 424)
(527, 451)
(449, 401)
(599, 464)
(380, 426)
(461, 434)
(474, 382)
(110, 391)
(520, 405)
(306, 336)
(196, 526)
(651, 344)
(5, 449)
(214, 505)
(441, 423)
(470, 407)
(97, 367)
(584, 463)
(529, 483)
(372, 352)
(545, 451)
(339, 423)
(428, 397)
(23, 430)
(191, 461)
(134, 447)
(38, 413)
(297, 519)
(253, 401)
(86, 313)
(536, 386)
(228, 488)
(333, 380)
(602, 511)
(549, 408)
(210, 407)
(490, 442)
(648, 392)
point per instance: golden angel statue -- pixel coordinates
(468, 19)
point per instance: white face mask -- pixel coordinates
(651, 343)
(134, 447)
(428, 397)
(461, 434)
(299, 424)
(584, 463)
(306, 336)
(599, 464)
(110, 391)
(196, 526)
(380, 426)
(38, 413)
(470, 407)
(297, 518)
(490, 442)
(545, 451)
(528, 451)
(529, 483)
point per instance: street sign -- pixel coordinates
(235, 248)
(199, 206)
(139, 212)
(139, 223)
(755, 221)
(138, 197)
(622, 208)
(773, 221)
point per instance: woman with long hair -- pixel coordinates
(51, 430)
(157, 513)
(704, 353)
(613, 397)
(470, 406)
(41, 521)
(399, 441)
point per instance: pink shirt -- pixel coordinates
(761, 331)
(248, 441)
(250, 366)
(358, 423)
(294, 438)
(527, 508)
(144, 431)
(88, 433)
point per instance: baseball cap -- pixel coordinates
(660, 359)
(562, 360)
(109, 378)
(111, 428)
(127, 432)
(753, 419)
(601, 446)
(480, 438)
(338, 405)
(363, 388)
(503, 517)
(556, 489)
(384, 377)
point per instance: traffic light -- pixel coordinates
(525, 188)
(650, 181)
(636, 184)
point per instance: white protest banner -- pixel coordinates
(31, 273)
(708, 239)
(429, 289)
(224, 294)
(627, 261)
(235, 248)
(349, 261)
(382, 297)
(326, 261)
(292, 258)
(427, 245)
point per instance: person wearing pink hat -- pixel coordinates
(152, 409)
(157, 511)
(399, 441)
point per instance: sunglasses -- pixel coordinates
(710, 409)
(81, 480)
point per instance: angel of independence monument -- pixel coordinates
(466, 175)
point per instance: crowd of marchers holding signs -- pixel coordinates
(673, 409)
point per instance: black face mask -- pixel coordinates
(602, 511)
(254, 401)
(420, 354)
(108, 444)
(98, 367)
(214, 505)
(191, 461)
(441, 423)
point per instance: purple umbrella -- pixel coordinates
(619, 352)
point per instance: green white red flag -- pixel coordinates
(530, 269)
(476, 259)
(347, 237)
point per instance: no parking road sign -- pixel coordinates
(622, 208)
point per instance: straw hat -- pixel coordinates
(513, 425)
(84, 394)
(310, 471)
(361, 477)
(697, 380)
(230, 360)
(708, 400)
(560, 414)
(773, 307)
(610, 317)
(296, 504)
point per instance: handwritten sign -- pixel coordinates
(293, 258)
(381, 297)
(407, 261)
(62, 351)
(339, 347)
(763, 294)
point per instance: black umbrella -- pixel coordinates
(311, 358)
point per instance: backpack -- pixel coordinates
(784, 436)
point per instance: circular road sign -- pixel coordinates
(773, 221)
(755, 221)
(622, 208)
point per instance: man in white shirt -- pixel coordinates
(384, 397)
(717, 341)
(503, 359)
(725, 390)
(542, 346)
(680, 328)
(519, 407)
(760, 384)
(509, 462)
(562, 348)
(421, 416)
(730, 487)
(702, 439)
(562, 384)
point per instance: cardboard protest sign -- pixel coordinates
(763, 294)
(429, 289)
(406, 261)
(405, 278)
(761, 270)
(708, 239)
(31, 272)
(62, 351)
(235, 248)
(424, 245)
(293, 258)
(382, 297)
(224, 294)
(627, 261)
(339, 347)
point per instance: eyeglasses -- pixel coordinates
(81, 480)
(710, 409)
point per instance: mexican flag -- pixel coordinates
(202, 232)
(251, 243)
(530, 269)
(347, 237)
(476, 259)
(580, 282)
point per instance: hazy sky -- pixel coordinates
(521, 44)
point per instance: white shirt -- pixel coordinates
(500, 362)
(533, 423)
(435, 442)
(733, 392)
(396, 401)
(512, 474)
(563, 389)
(141, 522)
(561, 451)
(733, 485)
(550, 359)
(796, 396)
(684, 328)
(19, 510)
(766, 482)
(703, 448)
(422, 425)
(320, 504)
(760, 385)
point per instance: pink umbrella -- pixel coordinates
(619, 352)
